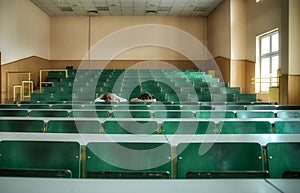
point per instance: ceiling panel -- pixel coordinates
(192, 8)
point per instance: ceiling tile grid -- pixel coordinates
(185, 8)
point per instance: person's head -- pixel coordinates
(107, 97)
(146, 96)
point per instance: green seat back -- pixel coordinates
(218, 157)
(90, 114)
(48, 113)
(132, 107)
(188, 127)
(130, 127)
(287, 127)
(215, 114)
(13, 113)
(261, 107)
(245, 97)
(283, 157)
(196, 107)
(130, 157)
(173, 114)
(256, 114)
(245, 127)
(131, 114)
(41, 155)
(288, 107)
(22, 126)
(165, 107)
(73, 126)
(288, 114)
(35, 106)
(229, 107)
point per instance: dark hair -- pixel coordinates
(146, 96)
(106, 97)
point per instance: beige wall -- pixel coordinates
(294, 37)
(261, 18)
(238, 29)
(24, 30)
(218, 30)
(69, 33)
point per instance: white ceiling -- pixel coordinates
(127, 7)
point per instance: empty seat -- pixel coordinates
(255, 114)
(48, 113)
(197, 107)
(128, 160)
(287, 127)
(73, 126)
(220, 160)
(288, 107)
(132, 107)
(215, 114)
(35, 106)
(130, 127)
(13, 113)
(22, 126)
(173, 114)
(283, 159)
(245, 127)
(131, 114)
(90, 113)
(288, 114)
(229, 107)
(245, 97)
(165, 107)
(188, 127)
(40, 159)
(261, 107)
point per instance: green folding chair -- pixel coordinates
(287, 127)
(130, 127)
(40, 159)
(215, 114)
(131, 114)
(220, 160)
(245, 127)
(188, 127)
(173, 114)
(22, 125)
(48, 113)
(288, 114)
(143, 160)
(283, 159)
(90, 113)
(13, 113)
(256, 114)
(73, 126)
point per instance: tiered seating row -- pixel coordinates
(111, 158)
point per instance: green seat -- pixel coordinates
(9, 106)
(104, 106)
(131, 114)
(197, 107)
(215, 114)
(35, 106)
(229, 107)
(73, 126)
(288, 114)
(90, 113)
(245, 127)
(40, 159)
(209, 160)
(143, 160)
(130, 127)
(287, 127)
(261, 107)
(13, 113)
(132, 107)
(256, 114)
(288, 107)
(283, 159)
(165, 107)
(245, 97)
(188, 127)
(22, 126)
(173, 114)
(48, 113)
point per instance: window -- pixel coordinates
(268, 62)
